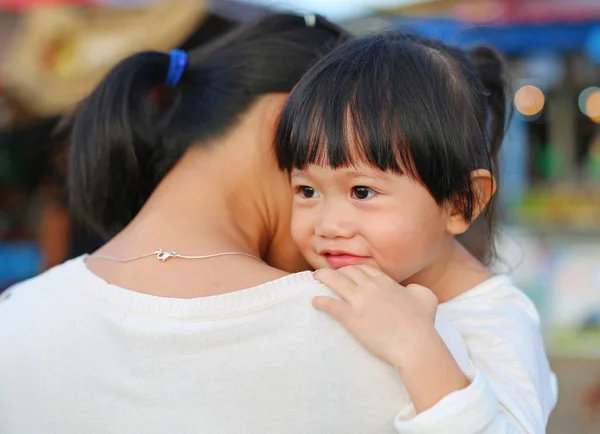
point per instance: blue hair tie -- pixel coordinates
(177, 65)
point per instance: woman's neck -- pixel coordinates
(201, 207)
(221, 197)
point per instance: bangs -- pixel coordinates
(337, 118)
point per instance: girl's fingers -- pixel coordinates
(341, 284)
(371, 271)
(334, 307)
(356, 274)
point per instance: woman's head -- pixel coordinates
(133, 129)
(391, 141)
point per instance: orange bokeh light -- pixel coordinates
(529, 100)
(592, 106)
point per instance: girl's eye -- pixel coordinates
(363, 192)
(307, 192)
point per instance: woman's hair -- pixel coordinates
(133, 129)
(401, 103)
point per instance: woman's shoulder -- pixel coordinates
(38, 310)
(45, 285)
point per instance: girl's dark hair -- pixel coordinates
(132, 129)
(401, 103)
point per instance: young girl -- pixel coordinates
(391, 143)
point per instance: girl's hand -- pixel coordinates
(396, 324)
(390, 320)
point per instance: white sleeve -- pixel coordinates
(466, 411)
(473, 410)
(514, 389)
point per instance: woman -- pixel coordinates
(176, 154)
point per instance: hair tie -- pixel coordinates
(310, 20)
(177, 65)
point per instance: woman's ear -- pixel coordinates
(484, 187)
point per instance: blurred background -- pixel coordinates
(52, 53)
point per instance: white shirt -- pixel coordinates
(501, 328)
(78, 355)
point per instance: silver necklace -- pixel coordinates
(161, 255)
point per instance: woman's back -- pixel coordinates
(82, 356)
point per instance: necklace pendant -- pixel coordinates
(163, 256)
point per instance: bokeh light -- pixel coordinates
(592, 106)
(529, 100)
(583, 98)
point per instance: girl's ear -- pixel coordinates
(484, 187)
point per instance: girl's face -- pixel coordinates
(362, 215)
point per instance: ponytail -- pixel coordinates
(491, 70)
(115, 144)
